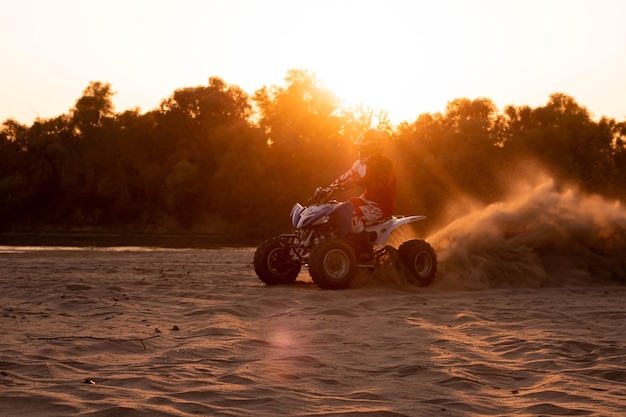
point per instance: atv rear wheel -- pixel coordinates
(332, 264)
(273, 263)
(420, 259)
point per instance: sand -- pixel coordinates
(525, 317)
(175, 332)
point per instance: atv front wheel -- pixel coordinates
(273, 263)
(420, 259)
(332, 264)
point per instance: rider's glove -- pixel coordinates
(320, 193)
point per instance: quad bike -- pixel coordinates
(321, 240)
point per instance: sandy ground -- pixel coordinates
(156, 332)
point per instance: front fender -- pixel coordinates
(296, 212)
(344, 213)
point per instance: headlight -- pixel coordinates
(321, 220)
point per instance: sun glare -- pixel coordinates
(394, 59)
(404, 57)
(394, 93)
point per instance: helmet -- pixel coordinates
(370, 143)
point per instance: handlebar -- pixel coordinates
(323, 194)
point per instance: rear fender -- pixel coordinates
(402, 220)
(383, 230)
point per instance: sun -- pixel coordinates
(404, 95)
(375, 56)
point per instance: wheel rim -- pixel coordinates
(275, 262)
(422, 263)
(336, 264)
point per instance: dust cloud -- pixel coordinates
(543, 236)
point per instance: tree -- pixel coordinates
(194, 121)
(423, 184)
(450, 159)
(303, 130)
(205, 158)
(562, 136)
(13, 161)
(94, 105)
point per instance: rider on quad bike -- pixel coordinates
(336, 239)
(374, 172)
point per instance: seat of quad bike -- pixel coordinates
(380, 221)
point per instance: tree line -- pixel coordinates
(215, 159)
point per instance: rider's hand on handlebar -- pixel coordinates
(321, 193)
(324, 193)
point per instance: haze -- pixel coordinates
(406, 57)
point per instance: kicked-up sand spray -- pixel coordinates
(543, 236)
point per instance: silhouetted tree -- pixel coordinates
(206, 159)
(95, 104)
(13, 180)
(304, 132)
(562, 136)
(194, 120)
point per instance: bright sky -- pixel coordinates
(404, 56)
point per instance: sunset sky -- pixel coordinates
(404, 56)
